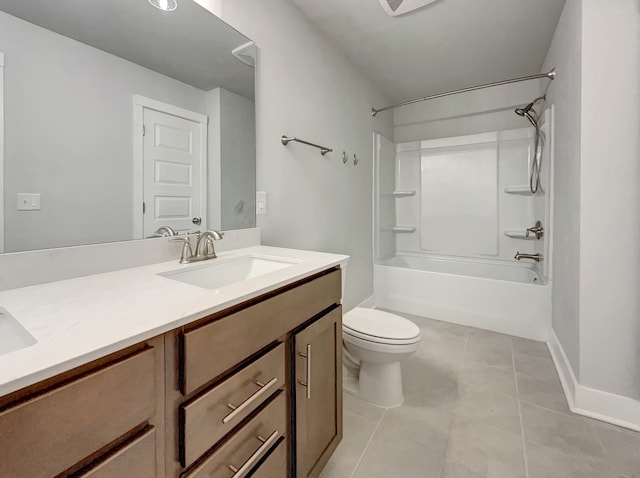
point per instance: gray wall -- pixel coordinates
(610, 198)
(68, 124)
(238, 160)
(307, 88)
(231, 183)
(565, 92)
(596, 304)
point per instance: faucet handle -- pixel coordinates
(210, 249)
(187, 252)
(537, 229)
(216, 235)
(180, 239)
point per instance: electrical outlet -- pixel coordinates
(28, 202)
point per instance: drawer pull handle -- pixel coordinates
(264, 387)
(307, 383)
(266, 443)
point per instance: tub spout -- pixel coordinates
(535, 257)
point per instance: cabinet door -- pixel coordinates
(318, 372)
(135, 458)
(51, 432)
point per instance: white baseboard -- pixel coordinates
(564, 369)
(592, 403)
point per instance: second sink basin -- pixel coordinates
(214, 274)
(13, 336)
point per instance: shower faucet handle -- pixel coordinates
(537, 229)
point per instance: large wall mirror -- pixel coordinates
(120, 120)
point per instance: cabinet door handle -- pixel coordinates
(266, 443)
(307, 382)
(238, 409)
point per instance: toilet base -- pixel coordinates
(379, 384)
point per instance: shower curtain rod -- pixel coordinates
(550, 75)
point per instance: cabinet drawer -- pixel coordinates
(244, 449)
(51, 432)
(275, 466)
(137, 458)
(207, 418)
(210, 350)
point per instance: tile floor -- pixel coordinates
(479, 405)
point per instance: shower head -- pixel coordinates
(526, 109)
(531, 114)
(523, 111)
(530, 117)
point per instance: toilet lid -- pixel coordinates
(375, 324)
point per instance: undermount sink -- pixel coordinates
(13, 336)
(223, 272)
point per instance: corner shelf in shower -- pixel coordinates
(521, 191)
(519, 235)
(404, 193)
(404, 229)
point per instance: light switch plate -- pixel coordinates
(28, 202)
(261, 202)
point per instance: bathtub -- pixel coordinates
(511, 299)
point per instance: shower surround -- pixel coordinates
(450, 214)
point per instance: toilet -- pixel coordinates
(375, 342)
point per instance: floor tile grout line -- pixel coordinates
(576, 456)
(464, 353)
(364, 451)
(547, 409)
(570, 415)
(598, 439)
(531, 404)
(524, 446)
(464, 356)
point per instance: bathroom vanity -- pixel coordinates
(249, 386)
(226, 368)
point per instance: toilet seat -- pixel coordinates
(380, 327)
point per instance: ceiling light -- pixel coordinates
(400, 7)
(164, 5)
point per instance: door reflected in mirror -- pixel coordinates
(122, 121)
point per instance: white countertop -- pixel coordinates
(79, 320)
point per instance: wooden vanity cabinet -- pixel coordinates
(255, 390)
(134, 458)
(243, 451)
(214, 345)
(240, 364)
(275, 464)
(318, 392)
(207, 418)
(89, 422)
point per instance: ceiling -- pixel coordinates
(190, 44)
(444, 46)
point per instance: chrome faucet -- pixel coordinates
(535, 257)
(537, 229)
(164, 231)
(204, 249)
(204, 246)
